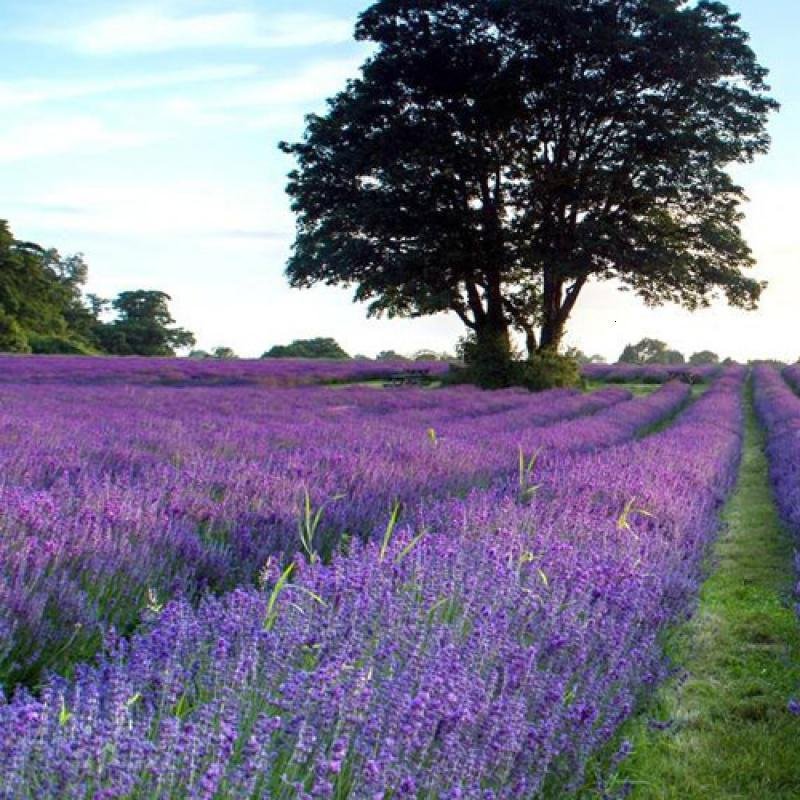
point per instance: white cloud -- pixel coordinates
(315, 82)
(226, 96)
(31, 92)
(77, 134)
(150, 30)
(276, 103)
(171, 209)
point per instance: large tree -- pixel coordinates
(144, 326)
(494, 156)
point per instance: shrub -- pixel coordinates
(58, 345)
(547, 370)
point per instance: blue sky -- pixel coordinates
(144, 135)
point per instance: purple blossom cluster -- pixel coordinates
(484, 646)
(649, 373)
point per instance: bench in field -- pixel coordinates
(409, 377)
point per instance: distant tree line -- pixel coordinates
(321, 347)
(224, 353)
(654, 351)
(43, 308)
(327, 347)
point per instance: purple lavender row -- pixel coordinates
(485, 655)
(613, 425)
(792, 376)
(190, 371)
(778, 408)
(648, 373)
(168, 493)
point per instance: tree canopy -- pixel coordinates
(144, 326)
(41, 299)
(495, 156)
(651, 351)
(321, 347)
(43, 308)
(582, 359)
(390, 355)
(704, 357)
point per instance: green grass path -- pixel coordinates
(730, 734)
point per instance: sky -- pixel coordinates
(144, 135)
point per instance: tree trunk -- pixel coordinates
(557, 305)
(531, 345)
(552, 334)
(492, 363)
(493, 360)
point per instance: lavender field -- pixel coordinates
(318, 478)
(258, 590)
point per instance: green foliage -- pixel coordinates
(582, 358)
(223, 352)
(651, 351)
(547, 370)
(494, 157)
(500, 366)
(43, 308)
(430, 355)
(490, 360)
(59, 345)
(390, 355)
(40, 293)
(12, 337)
(144, 326)
(704, 357)
(321, 347)
(674, 357)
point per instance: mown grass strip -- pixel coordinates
(722, 729)
(636, 389)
